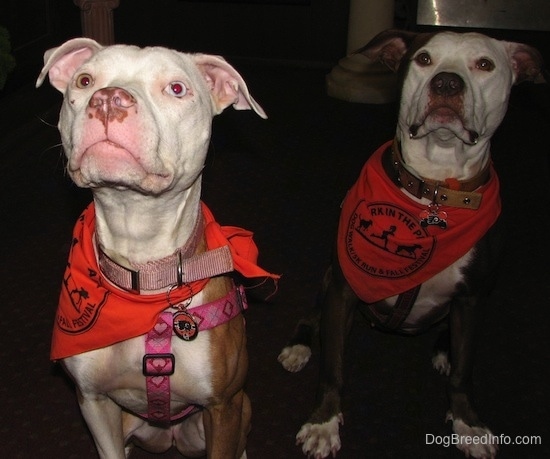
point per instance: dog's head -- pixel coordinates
(454, 86)
(139, 118)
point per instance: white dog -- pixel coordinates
(149, 324)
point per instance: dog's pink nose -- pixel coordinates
(110, 104)
(447, 84)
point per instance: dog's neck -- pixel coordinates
(436, 157)
(136, 228)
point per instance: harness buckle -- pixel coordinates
(159, 364)
(242, 301)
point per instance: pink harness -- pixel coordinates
(159, 362)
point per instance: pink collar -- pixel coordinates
(159, 362)
(183, 266)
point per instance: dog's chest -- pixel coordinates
(117, 371)
(403, 263)
(433, 300)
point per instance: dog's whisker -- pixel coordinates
(60, 163)
(43, 121)
(55, 145)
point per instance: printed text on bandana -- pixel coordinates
(384, 240)
(85, 307)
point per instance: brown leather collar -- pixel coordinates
(459, 194)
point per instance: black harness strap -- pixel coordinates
(402, 308)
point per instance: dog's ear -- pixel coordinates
(389, 47)
(526, 62)
(226, 85)
(61, 63)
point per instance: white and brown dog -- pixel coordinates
(149, 323)
(418, 238)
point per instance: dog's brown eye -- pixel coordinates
(84, 80)
(423, 59)
(485, 64)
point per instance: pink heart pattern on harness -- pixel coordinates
(158, 380)
(159, 364)
(160, 327)
(158, 338)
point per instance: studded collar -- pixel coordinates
(455, 193)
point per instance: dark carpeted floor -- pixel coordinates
(284, 179)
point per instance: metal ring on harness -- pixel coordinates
(185, 303)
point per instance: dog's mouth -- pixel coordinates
(447, 122)
(106, 163)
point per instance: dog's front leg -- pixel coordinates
(104, 419)
(465, 316)
(226, 427)
(320, 435)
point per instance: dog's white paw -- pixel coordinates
(477, 442)
(294, 358)
(320, 440)
(441, 363)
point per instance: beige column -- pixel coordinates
(356, 78)
(97, 19)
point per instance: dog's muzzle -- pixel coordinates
(446, 84)
(446, 93)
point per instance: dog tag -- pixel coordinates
(185, 326)
(433, 216)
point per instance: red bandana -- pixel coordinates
(383, 249)
(92, 313)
